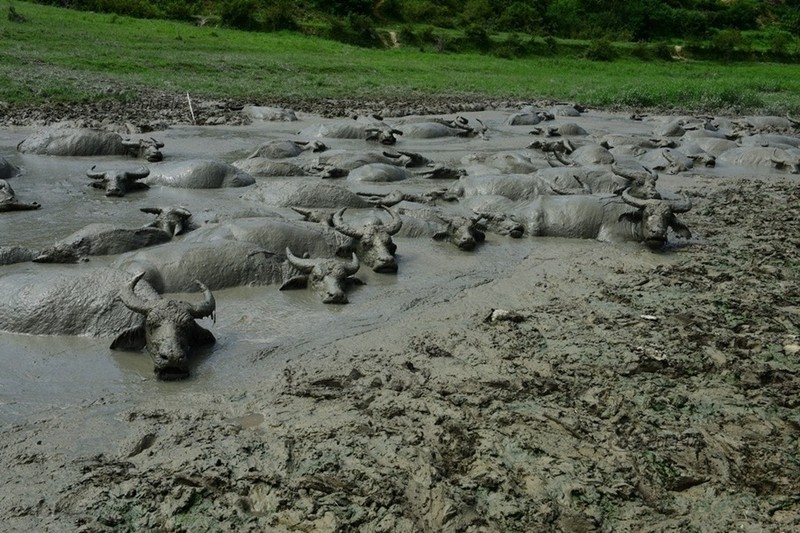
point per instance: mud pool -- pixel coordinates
(634, 391)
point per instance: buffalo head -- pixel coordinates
(169, 329)
(383, 134)
(655, 217)
(461, 231)
(147, 149)
(172, 220)
(118, 182)
(374, 244)
(9, 201)
(329, 277)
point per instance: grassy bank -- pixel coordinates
(58, 55)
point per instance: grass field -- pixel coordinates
(59, 55)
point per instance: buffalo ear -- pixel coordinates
(634, 216)
(440, 235)
(478, 235)
(130, 340)
(202, 337)
(353, 281)
(295, 282)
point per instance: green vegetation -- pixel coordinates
(59, 55)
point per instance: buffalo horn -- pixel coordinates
(95, 174)
(151, 210)
(131, 300)
(353, 266)
(635, 202)
(303, 264)
(139, 173)
(395, 224)
(631, 174)
(341, 226)
(207, 306)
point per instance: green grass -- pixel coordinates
(60, 55)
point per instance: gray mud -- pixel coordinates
(630, 391)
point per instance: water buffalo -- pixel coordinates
(272, 114)
(433, 128)
(107, 239)
(199, 174)
(294, 193)
(328, 276)
(463, 232)
(350, 159)
(173, 220)
(598, 217)
(7, 170)
(762, 157)
(276, 234)
(512, 186)
(374, 245)
(16, 254)
(118, 182)
(9, 201)
(88, 142)
(502, 162)
(104, 302)
(367, 129)
(283, 149)
(169, 331)
(219, 264)
(381, 172)
(263, 167)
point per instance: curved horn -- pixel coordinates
(300, 263)
(306, 213)
(95, 174)
(139, 173)
(158, 144)
(182, 212)
(680, 206)
(561, 159)
(207, 306)
(395, 224)
(631, 174)
(353, 266)
(635, 202)
(341, 226)
(131, 300)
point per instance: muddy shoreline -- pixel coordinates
(620, 389)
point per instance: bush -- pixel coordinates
(357, 30)
(601, 50)
(478, 38)
(240, 14)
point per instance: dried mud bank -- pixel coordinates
(587, 387)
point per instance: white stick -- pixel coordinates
(190, 108)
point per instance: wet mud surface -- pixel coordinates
(537, 383)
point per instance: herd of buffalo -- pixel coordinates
(347, 205)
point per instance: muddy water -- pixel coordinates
(38, 374)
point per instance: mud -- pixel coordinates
(541, 383)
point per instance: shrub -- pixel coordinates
(357, 30)
(477, 37)
(240, 14)
(601, 50)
